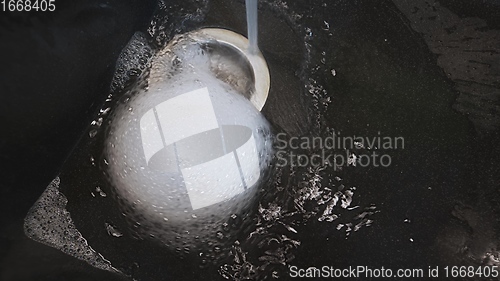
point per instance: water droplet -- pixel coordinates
(92, 133)
(112, 230)
(220, 235)
(99, 190)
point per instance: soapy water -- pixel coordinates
(49, 211)
(254, 236)
(185, 150)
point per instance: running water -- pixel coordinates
(251, 7)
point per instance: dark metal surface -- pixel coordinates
(428, 71)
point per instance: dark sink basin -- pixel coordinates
(403, 95)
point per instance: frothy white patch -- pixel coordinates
(49, 223)
(187, 150)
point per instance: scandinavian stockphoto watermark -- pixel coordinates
(336, 150)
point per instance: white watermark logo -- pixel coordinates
(336, 150)
(183, 135)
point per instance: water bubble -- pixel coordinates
(92, 133)
(220, 235)
(99, 190)
(112, 230)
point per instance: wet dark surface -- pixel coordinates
(53, 81)
(404, 68)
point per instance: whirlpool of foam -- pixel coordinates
(186, 150)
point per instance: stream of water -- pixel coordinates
(251, 8)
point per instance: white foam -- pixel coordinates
(188, 150)
(49, 222)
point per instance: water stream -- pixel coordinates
(251, 9)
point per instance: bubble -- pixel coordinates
(112, 230)
(193, 151)
(132, 60)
